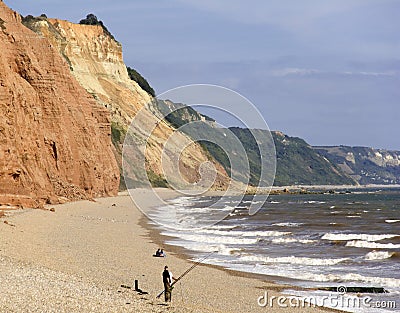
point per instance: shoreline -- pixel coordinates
(75, 259)
(269, 284)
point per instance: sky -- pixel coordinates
(325, 71)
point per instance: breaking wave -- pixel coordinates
(378, 255)
(292, 260)
(371, 245)
(365, 237)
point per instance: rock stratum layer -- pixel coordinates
(54, 137)
(96, 61)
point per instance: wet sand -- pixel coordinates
(76, 259)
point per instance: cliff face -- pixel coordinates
(365, 165)
(54, 137)
(95, 60)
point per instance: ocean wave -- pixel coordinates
(220, 249)
(238, 233)
(292, 240)
(383, 281)
(314, 202)
(378, 255)
(222, 227)
(288, 224)
(371, 245)
(202, 238)
(292, 260)
(392, 221)
(365, 237)
(333, 278)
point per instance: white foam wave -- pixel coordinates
(201, 238)
(366, 237)
(293, 272)
(222, 227)
(371, 245)
(382, 281)
(237, 233)
(292, 260)
(392, 221)
(314, 202)
(292, 240)
(288, 224)
(220, 249)
(350, 277)
(378, 255)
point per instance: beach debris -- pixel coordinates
(140, 291)
(113, 204)
(355, 289)
(126, 287)
(52, 210)
(9, 224)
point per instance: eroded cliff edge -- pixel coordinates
(55, 140)
(95, 59)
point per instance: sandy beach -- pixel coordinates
(76, 259)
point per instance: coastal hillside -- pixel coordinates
(95, 59)
(365, 165)
(55, 141)
(296, 161)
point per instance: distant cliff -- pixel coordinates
(296, 161)
(95, 59)
(365, 165)
(54, 138)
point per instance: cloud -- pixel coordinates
(287, 14)
(309, 72)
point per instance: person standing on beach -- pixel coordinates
(167, 280)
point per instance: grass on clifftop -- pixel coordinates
(142, 82)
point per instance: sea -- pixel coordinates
(309, 241)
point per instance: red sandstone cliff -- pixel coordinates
(96, 62)
(54, 137)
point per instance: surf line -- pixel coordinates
(187, 271)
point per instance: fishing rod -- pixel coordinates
(187, 271)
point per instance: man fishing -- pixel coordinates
(167, 280)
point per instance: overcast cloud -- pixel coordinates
(326, 71)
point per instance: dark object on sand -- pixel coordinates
(140, 291)
(125, 286)
(343, 289)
